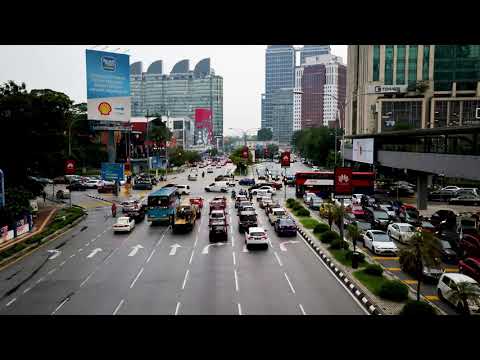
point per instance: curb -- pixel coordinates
(366, 302)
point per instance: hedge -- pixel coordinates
(302, 212)
(297, 206)
(416, 308)
(321, 228)
(308, 222)
(291, 201)
(374, 269)
(361, 256)
(328, 236)
(394, 290)
(339, 244)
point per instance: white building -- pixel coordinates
(297, 99)
(182, 129)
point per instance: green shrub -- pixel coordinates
(291, 201)
(297, 206)
(374, 269)
(302, 212)
(328, 236)
(416, 308)
(361, 256)
(321, 228)
(309, 223)
(394, 290)
(339, 244)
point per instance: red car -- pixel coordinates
(470, 245)
(356, 210)
(197, 201)
(470, 267)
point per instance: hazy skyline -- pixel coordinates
(62, 68)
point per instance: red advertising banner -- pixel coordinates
(201, 115)
(285, 159)
(70, 167)
(343, 182)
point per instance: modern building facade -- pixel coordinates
(313, 82)
(182, 129)
(282, 115)
(297, 99)
(313, 50)
(395, 87)
(179, 93)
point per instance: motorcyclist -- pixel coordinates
(114, 210)
(233, 194)
(203, 174)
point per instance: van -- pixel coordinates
(183, 189)
(217, 186)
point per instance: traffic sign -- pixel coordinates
(285, 159)
(70, 167)
(343, 182)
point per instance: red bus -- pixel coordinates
(321, 183)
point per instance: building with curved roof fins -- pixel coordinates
(136, 68)
(156, 67)
(181, 67)
(202, 68)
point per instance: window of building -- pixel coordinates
(388, 64)
(426, 62)
(412, 64)
(376, 62)
(400, 78)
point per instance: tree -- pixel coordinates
(238, 160)
(213, 152)
(158, 131)
(354, 233)
(423, 249)
(315, 143)
(264, 134)
(272, 150)
(464, 293)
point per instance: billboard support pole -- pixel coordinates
(111, 146)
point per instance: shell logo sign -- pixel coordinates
(104, 108)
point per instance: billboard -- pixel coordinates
(70, 167)
(363, 150)
(108, 86)
(112, 171)
(343, 182)
(285, 159)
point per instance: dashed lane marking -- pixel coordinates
(239, 309)
(236, 279)
(27, 290)
(301, 309)
(234, 261)
(63, 263)
(52, 271)
(185, 279)
(177, 308)
(153, 252)
(136, 278)
(118, 307)
(191, 257)
(11, 302)
(289, 283)
(278, 258)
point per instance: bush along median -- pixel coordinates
(63, 218)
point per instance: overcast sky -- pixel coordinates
(62, 68)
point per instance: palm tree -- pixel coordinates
(337, 215)
(463, 293)
(354, 233)
(422, 250)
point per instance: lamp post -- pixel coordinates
(244, 133)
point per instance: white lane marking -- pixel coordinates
(178, 308)
(11, 302)
(196, 239)
(198, 231)
(118, 307)
(40, 280)
(153, 252)
(239, 309)
(136, 278)
(27, 290)
(98, 236)
(231, 230)
(87, 244)
(63, 263)
(71, 256)
(52, 271)
(236, 279)
(59, 306)
(109, 256)
(88, 277)
(163, 235)
(301, 309)
(234, 262)
(271, 245)
(80, 250)
(233, 240)
(278, 258)
(185, 279)
(191, 257)
(289, 283)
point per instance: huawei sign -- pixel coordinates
(343, 182)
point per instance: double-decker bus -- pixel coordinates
(162, 204)
(321, 183)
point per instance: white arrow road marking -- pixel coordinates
(236, 279)
(136, 277)
(301, 309)
(135, 249)
(56, 253)
(173, 249)
(289, 283)
(185, 279)
(239, 309)
(93, 253)
(282, 244)
(118, 307)
(245, 248)
(205, 249)
(278, 258)
(178, 308)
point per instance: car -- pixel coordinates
(192, 176)
(441, 195)
(92, 184)
(63, 194)
(307, 196)
(439, 216)
(246, 181)
(209, 170)
(470, 266)
(469, 245)
(401, 232)
(450, 188)
(267, 188)
(275, 214)
(379, 243)
(142, 185)
(362, 225)
(129, 205)
(357, 198)
(377, 217)
(247, 219)
(239, 199)
(106, 188)
(264, 201)
(448, 254)
(261, 193)
(289, 180)
(220, 186)
(197, 200)
(356, 210)
(217, 215)
(389, 209)
(76, 186)
(285, 226)
(217, 231)
(467, 224)
(183, 189)
(124, 224)
(325, 208)
(315, 168)
(466, 199)
(409, 214)
(430, 273)
(449, 282)
(249, 207)
(256, 236)
(427, 226)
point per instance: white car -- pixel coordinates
(346, 202)
(379, 243)
(256, 236)
(264, 201)
(402, 232)
(192, 176)
(357, 198)
(217, 187)
(261, 193)
(449, 281)
(183, 189)
(450, 188)
(275, 214)
(307, 196)
(218, 215)
(389, 209)
(270, 189)
(92, 184)
(123, 224)
(209, 170)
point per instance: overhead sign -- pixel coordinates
(2, 190)
(343, 182)
(285, 159)
(363, 150)
(70, 167)
(157, 162)
(387, 89)
(112, 171)
(108, 86)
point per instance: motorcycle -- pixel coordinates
(233, 195)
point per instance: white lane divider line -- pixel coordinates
(118, 307)
(239, 309)
(178, 308)
(109, 256)
(236, 279)
(27, 290)
(80, 250)
(63, 263)
(87, 244)
(301, 309)
(136, 278)
(153, 252)
(185, 279)
(233, 240)
(196, 240)
(191, 257)
(52, 271)
(40, 280)
(71, 256)
(278, 258)
(234, 262)
(59, 306)
(84, 281)
(289, 283)
(11, 302)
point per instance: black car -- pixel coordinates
(76, 186)
(247, 219)
(448, 216)
(377, 217)
(449, 256)
(465, 199)
(142, 185)
(441, 195)
(285, 227)
(217, 231)
(138, 214)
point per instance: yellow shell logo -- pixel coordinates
(104, 108)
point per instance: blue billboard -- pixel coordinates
(158, 162)
(108, 85)
(112, 171)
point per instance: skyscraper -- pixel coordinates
(313, 50)
(297, 99)
(282, 115)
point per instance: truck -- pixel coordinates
(185, 217)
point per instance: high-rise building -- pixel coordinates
(313, 82)
(393, 87)
(279, 74)
(179, 93)
(313, 50)
(297, 99)
(282, 115)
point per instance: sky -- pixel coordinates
(62, 68)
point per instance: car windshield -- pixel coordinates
(406, 228)
(412, 213)
(257, 233)
(279, 213)
(123, 221)
(382, 215)
(249, 217)
(217, 215)
(161, 201)
(286, 222)
(248, 208)
(377, 237)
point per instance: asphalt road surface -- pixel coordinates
(90, 270)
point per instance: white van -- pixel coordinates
(183, 189)
(217, 186)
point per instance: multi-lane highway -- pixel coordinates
(90, 270)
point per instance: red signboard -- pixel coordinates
(70, 167)
(285, 159)
(343, 182)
